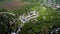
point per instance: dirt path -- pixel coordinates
(13, 5)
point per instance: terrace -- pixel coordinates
(30, 16)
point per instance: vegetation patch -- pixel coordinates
(1, 0)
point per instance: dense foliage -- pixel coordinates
(8, 22)
(48, 18)
(1, 0)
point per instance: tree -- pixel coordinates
(1, 0)
(8, 23)
(3, 10)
